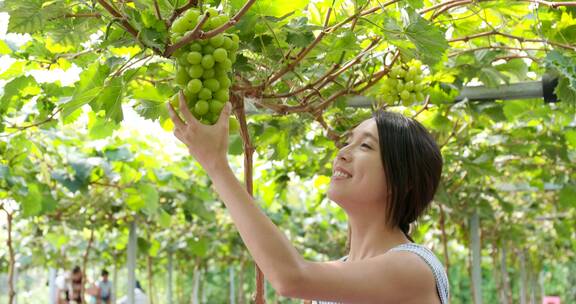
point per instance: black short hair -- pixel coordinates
(76, 269)
(412, 164)
(104, 272)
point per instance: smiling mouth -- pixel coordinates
(341, 175)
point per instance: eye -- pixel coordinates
(366, 146)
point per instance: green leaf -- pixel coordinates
(15, 90)
(143, 245)
(429, 39)
(565, 92)
(88, 89)
(118, 154)
(32, 202)
(4, 48)
(133, 200)
(151, 109)
(198, 247)
(566, 66)
(16, 69)
(111, 100)
(65, 180)
(571, 138)
(567, 197)
(272, 8)
(150, 197)
(164, 219)
(515, 108)
(99, 127)
(25, 15)
(415, 4)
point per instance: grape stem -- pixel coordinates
(424, 108)
(198, 34)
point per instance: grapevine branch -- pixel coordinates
(197, 33)
(177, 12)
(520, 39)
(329, 76)
(494, 47)
(301, 54)
(454, 3)
(124, 22)
(49, 118)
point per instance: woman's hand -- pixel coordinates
(208, 144)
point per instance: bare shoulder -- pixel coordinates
(393, 277)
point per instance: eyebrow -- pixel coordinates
(364, 134)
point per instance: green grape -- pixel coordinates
(219, 71)
(194, 85)
(227, 43)
(235, 38)
(182, 77)
(217, 40)
(194, 57)
(175, 101)
(195, 47)
(191, 97)
(216, 106)
(208, 49)
(405, 95)
(201, 107)
(182, 61)
(212, 84)
(233, 125)
(395, 72)
(400, 86)
(179, 26)
(225, 65)
(209, 73)
(190, 18)
(205, 93)
(195, 71)
(212, 12)
(409, 86)
(207, 61)
(420, 96)
(218, 21)
(224, 81)
(222, 95)
(220, 54)
(212, 118)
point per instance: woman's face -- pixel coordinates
(358, 179)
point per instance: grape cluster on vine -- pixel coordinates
(405, 83)
(203, 67)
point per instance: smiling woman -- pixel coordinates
(385, 177)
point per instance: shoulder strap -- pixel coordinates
(442, 285)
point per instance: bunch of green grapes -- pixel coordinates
(404, 83)
(203, 67)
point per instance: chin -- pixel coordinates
(338, 197)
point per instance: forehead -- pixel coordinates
(367, 127)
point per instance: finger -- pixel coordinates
(188, 117)
(223, 119)
(174, 116)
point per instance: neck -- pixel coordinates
(371, 237)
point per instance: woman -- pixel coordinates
(384, 178)
(69, 289)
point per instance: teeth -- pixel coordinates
(341, 174)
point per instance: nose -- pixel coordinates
(344, 154)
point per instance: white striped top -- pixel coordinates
(442, 285)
